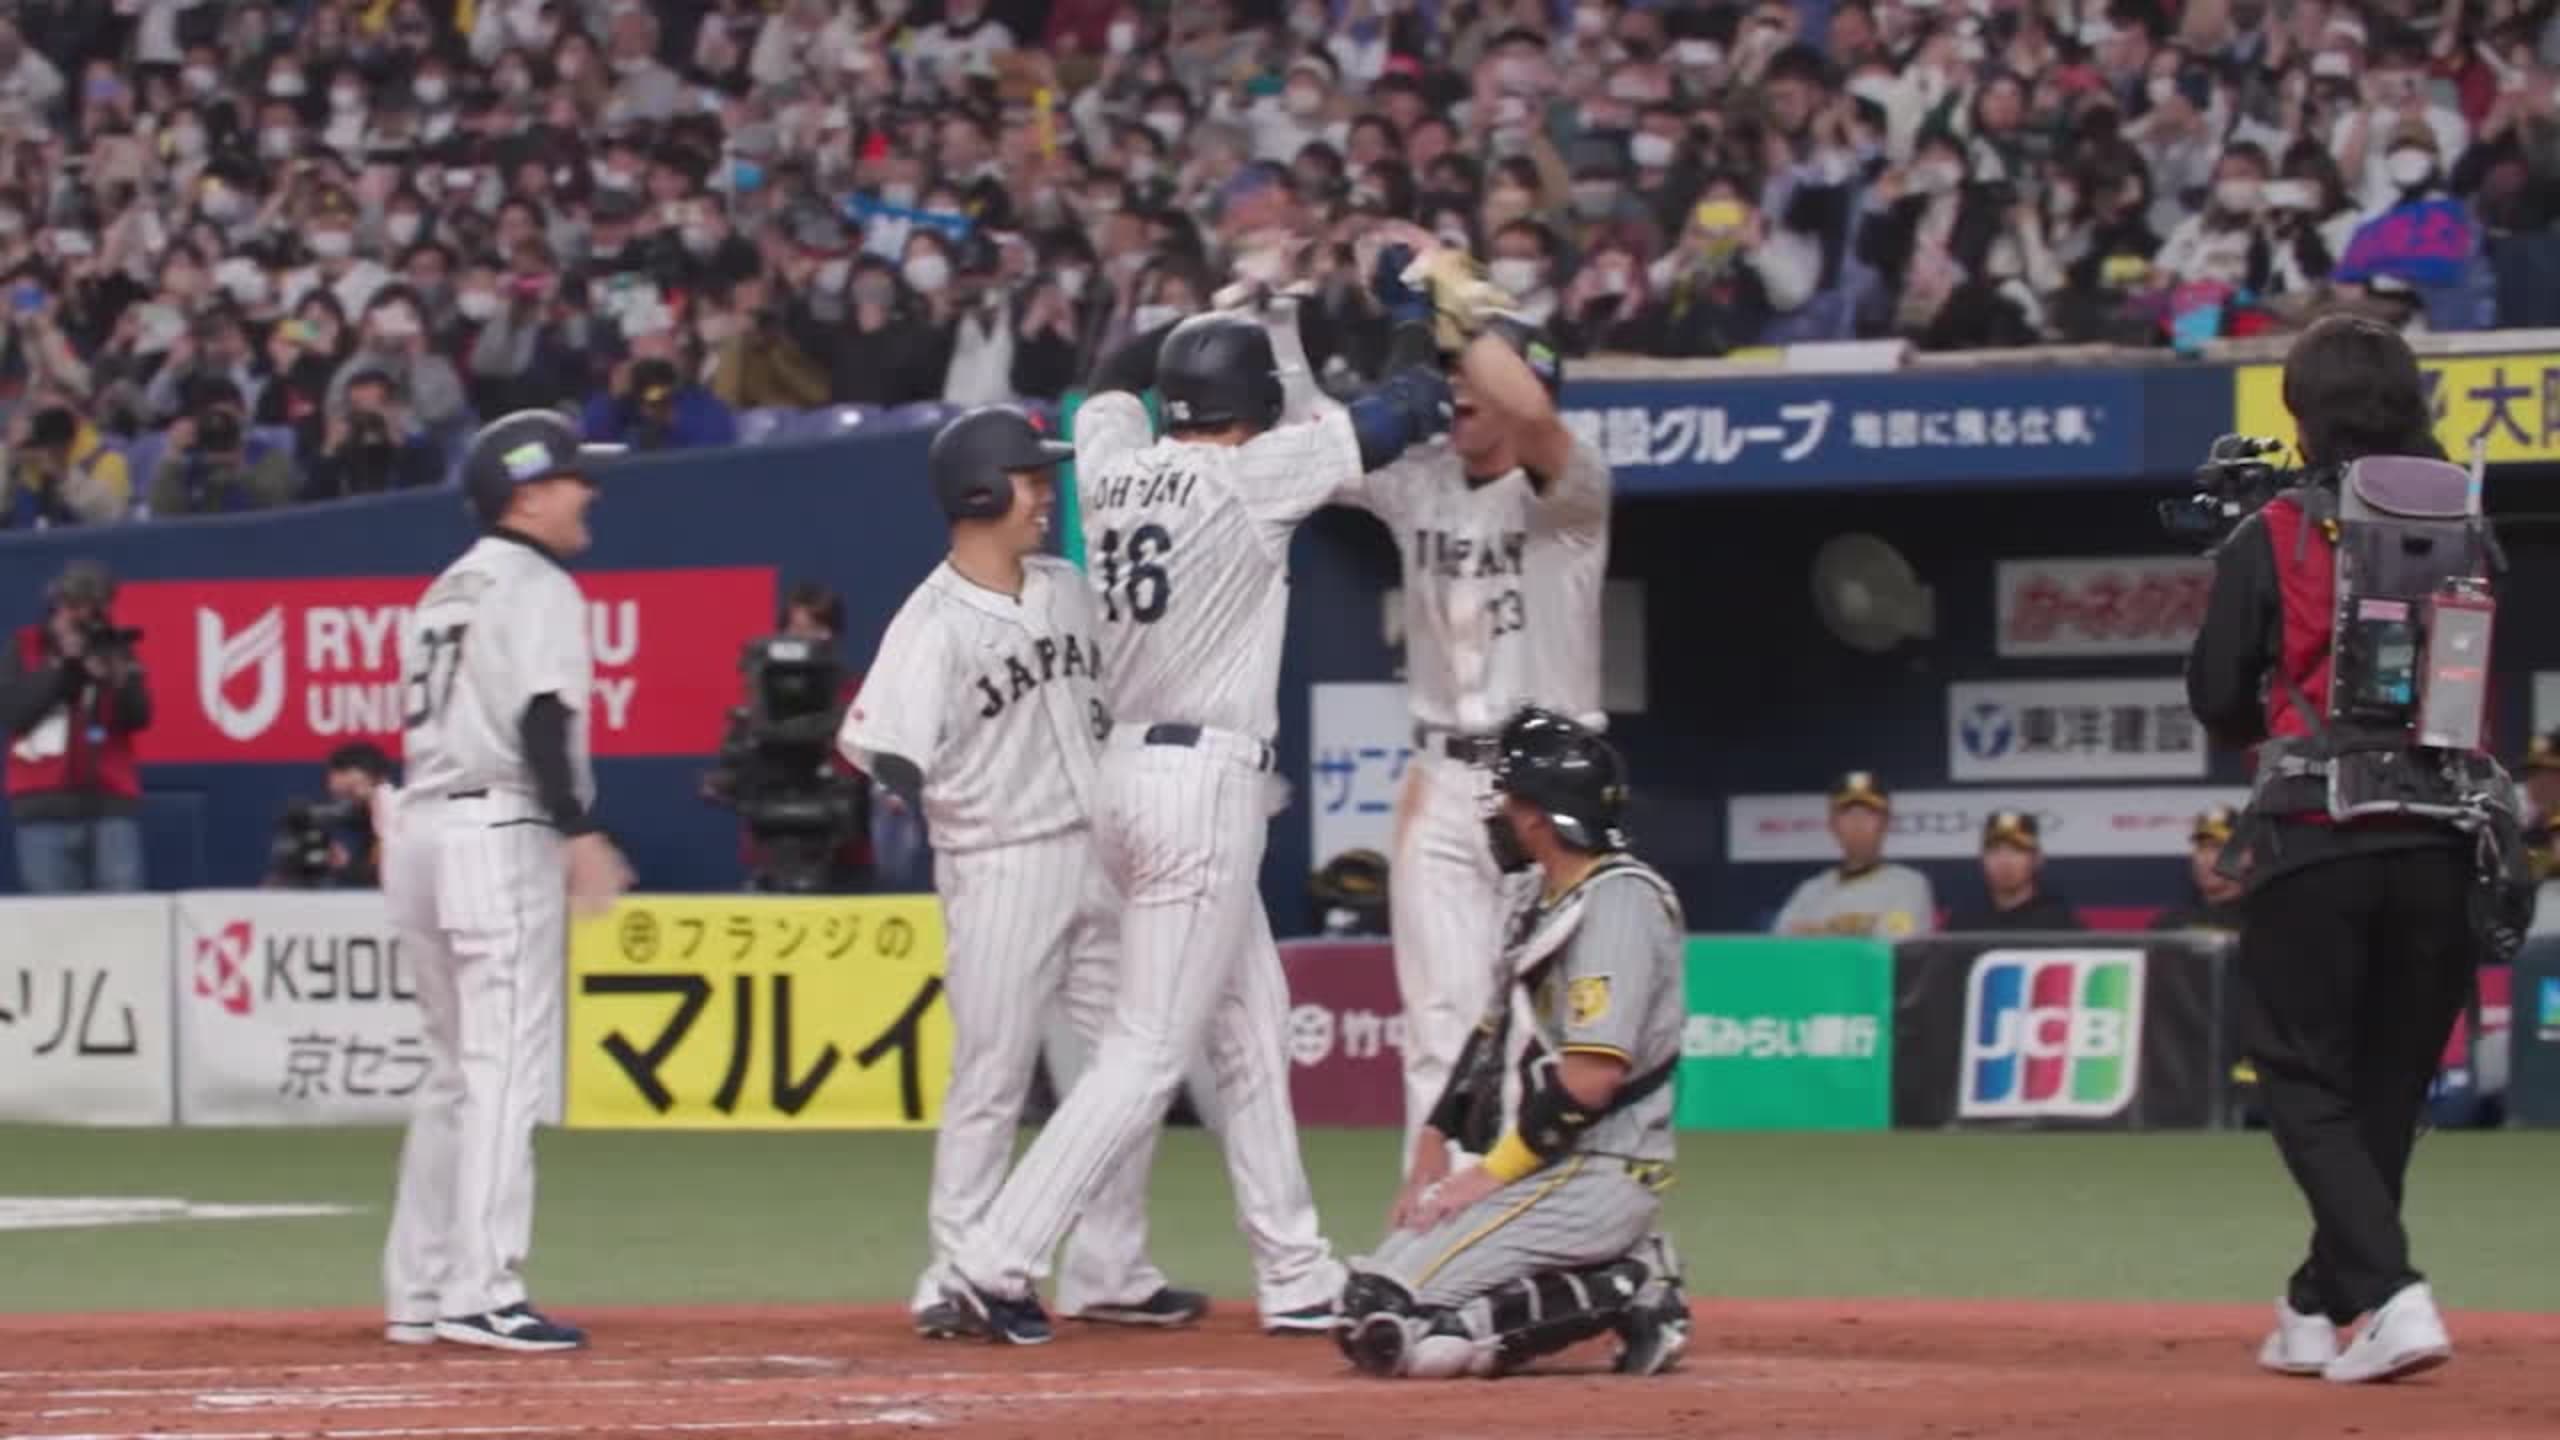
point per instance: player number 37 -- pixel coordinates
(1133, 574)
(430, 685)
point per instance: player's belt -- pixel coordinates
(480, 794)
(1190, 737)
(1465, 749)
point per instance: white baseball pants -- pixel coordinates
(1446, 903)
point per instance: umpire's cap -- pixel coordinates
(1218, 369)
(1533, 345)
(1550, 761)
(973, 457)
(516, 450)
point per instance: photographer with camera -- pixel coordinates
(212, 464)
(336, 844)
(806, 811)
(2346, 638)
(650, 404)
(61, 470)
(73, 697)
(372, 445)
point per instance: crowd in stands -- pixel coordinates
(273, 251)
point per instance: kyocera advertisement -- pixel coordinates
(284, 670)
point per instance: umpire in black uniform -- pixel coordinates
(2356, 947)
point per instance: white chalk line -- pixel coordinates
(906, 1417)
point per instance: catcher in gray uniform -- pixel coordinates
(1550, 1239)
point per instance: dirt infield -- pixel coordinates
(1802, 1370)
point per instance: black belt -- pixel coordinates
(480, 794)
(1465, 749)
(1188, 737)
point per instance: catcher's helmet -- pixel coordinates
(971, 458)
(1534, 345)
(1218, 369)
(519, 449)
(1577, 778)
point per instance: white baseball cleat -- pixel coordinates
(2300, 1344)
(410, 1332)
(2405, 1337)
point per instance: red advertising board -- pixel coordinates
(1346, 1033)
(284, 670)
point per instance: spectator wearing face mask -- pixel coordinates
(1303, 113)
(2224, 246)
(1524, 267)
(1666, 178)
(210, 464)
(372, 445)
(395, 343)
(214, 347)
(890, 350)
(982, 332)
(2178, 136)
(26, 76)
(61, 470)
(2374, 143)
(1948, 251)
(2310, 221)
(1711, 292)
(1603, 309)
(350, 278)
(2424, 245)
(963, 43)
(1809, 165)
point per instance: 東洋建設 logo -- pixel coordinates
(2050, 1033)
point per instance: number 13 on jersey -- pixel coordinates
(1133, 574)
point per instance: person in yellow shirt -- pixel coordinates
(61, 471)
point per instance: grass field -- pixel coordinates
(646, 1218)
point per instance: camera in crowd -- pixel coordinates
(775, 767)
(305, 853)
(2239, 475)
(109, 641)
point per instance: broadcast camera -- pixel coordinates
(2239, 474)
(774, 766)
(302, 855)
(107, 640)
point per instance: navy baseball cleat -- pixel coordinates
(518, 1327)
(1167, 1309)
(1006, 1322)
(945, 1320)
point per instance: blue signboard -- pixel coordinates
(1834, 431)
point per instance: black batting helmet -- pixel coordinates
(1533, 345)
(972, 458)
(516, 450)
(1218, 369)
(1577, 778)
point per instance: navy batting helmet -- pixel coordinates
(519, 449)
(1562, 768)
(1218, 369)
(1533, 345)
(972, 458)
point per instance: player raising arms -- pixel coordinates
(1504, 532)
(1190, 539)
(493, 845)
(983, 711)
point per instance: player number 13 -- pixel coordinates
(1133, 575)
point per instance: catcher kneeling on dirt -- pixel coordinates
(1550, 1239)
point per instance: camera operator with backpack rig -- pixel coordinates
(72, 697)
(2347, 637)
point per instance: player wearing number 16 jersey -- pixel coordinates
(1190, 538)
(491, 846)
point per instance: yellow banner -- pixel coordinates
(755, 1012)
(2512, 401)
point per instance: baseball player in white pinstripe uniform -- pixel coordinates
(1504, 532)
(983, 710)
(1190, 539)
(490, 848)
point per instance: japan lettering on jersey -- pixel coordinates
(1502, 585)
(1189, 553)
(500, 626)
(996, 701)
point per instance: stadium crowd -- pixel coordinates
(259, 253)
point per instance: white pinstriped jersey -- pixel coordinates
(1189, 550)
(1501, 586)
(997, 701)
(502, 625)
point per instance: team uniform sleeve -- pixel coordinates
(1914, 898)
(1799, 907)
(899, 711)
(1109, 426)
(1612, 968)
(1389, 491)
(1574, 504)
(1283, 475)
(554, 659)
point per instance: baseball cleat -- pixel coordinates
(518, 1327)
(1006, 1322)
(1652, 1339)
(2300, 1344)
(1377, 1344)
(1317, 1319)
(2405, 1337)
(410, 1332)
(1167, 1309)
(943, 1320)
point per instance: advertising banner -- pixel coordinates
(2061, 1031)
(2511, 401)
(2533, 1080)
(285, 670)
(1787, 1034)
(84, 1011)
(2074, 608)
(1360, 738)
(1789, 432)
(2002, 730)
(2096, 821)
(754, 1012)
(295, 1007)
(1346, 1032)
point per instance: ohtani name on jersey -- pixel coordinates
(1161, 487)
(1048, 659)
(1453, 556)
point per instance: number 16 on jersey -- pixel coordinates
(1133, 574)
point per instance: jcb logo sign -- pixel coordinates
(2051, 1033)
